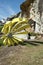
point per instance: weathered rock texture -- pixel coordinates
(25, 7)
(34, 9)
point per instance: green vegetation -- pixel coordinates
(1, 42)
(1, 27)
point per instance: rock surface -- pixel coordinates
(34, 10)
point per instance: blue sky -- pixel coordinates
(9, 7)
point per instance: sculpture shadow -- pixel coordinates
(31, 43)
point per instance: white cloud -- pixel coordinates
(6, 10)
(10, 10)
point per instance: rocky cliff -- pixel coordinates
(25, 7)
(34, 10)
(28, 4)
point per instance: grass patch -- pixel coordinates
(1, 42)
(1, 28)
